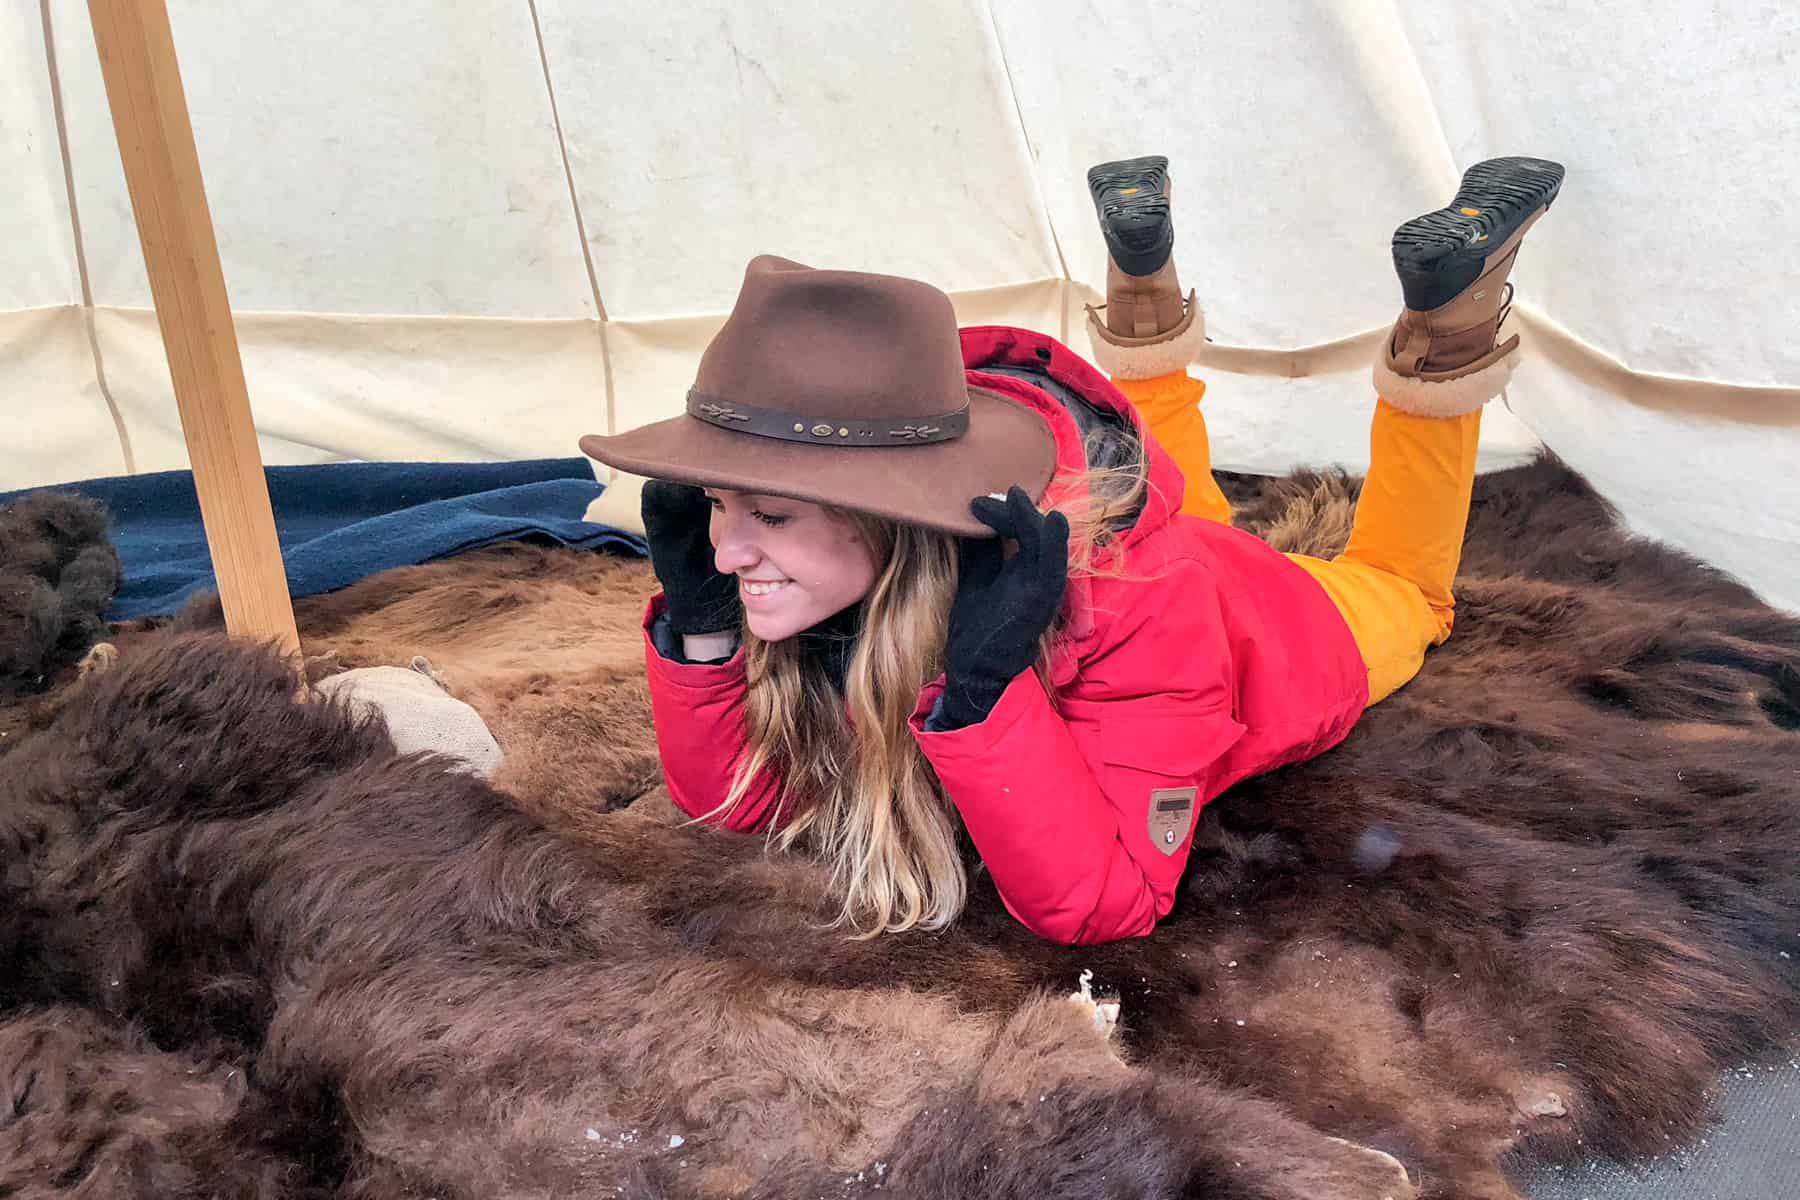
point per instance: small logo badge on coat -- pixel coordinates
(1171, 817)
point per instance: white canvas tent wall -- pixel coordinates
(477, 229)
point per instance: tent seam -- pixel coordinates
(1424, 85)
(1037, 180)
(87, 292)
(587, 257)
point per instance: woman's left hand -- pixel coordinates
(1003, 606)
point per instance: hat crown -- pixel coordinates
(847, 389)
(836, 345)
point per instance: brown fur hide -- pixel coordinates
(1535, 902)
(58, 572)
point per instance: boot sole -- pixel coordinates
(1131, 198)
(1439, 254)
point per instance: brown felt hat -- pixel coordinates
(842, 388)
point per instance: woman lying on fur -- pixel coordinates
(846, 657)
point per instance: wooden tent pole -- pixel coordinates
(181, 254)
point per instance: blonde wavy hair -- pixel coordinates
(862, 798)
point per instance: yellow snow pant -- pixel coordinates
(1392, 583)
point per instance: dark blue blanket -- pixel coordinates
(340, 522)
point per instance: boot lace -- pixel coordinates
(1506, 303)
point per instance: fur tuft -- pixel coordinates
(58, 573)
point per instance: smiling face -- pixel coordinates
(797, 563)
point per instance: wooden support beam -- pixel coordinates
(181, 254)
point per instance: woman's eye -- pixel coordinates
(718, 505)
(769, 519)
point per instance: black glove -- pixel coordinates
(1003, 605)
(701, 600)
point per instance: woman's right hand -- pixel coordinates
(700, 599)
(1003, 606)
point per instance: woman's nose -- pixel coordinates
(733, 548)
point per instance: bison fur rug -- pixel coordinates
(1534, 904)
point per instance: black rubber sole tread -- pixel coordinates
(1132, 201)
(1440, 253)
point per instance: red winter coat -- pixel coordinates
(1209, 658)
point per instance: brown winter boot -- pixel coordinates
(1143, 306)
(1146, 328)
(1443, 357)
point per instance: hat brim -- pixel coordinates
(930, 485)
